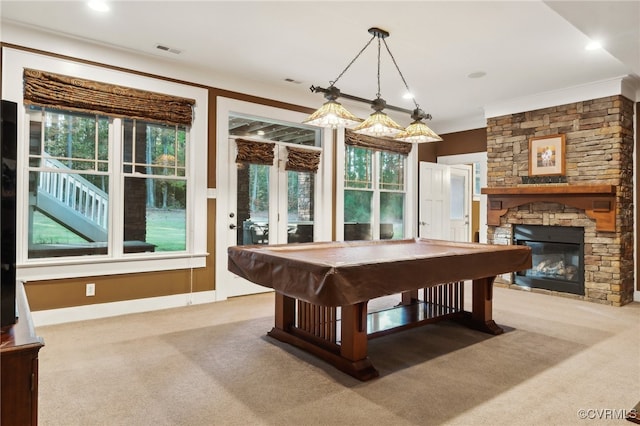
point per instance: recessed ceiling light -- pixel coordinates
(407, 96)
(477, 74)
(99, 5)
(593, 45)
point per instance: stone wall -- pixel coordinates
(599, 150)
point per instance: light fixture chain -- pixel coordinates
(352, 61)
(401, 75)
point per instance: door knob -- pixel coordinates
(232, 226)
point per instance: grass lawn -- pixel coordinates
(165, 229)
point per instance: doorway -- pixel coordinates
(261, 202)
(445, 202)
(479, 180)
(273, 205)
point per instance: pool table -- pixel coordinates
(322, 290)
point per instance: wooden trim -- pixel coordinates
(637, 189)
(215, 92)
(598, 201)
(1, 56)
(101, 65)
(551, 190)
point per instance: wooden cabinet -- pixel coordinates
(19, 349)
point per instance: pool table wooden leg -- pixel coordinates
(285, 311)
(350, 356)
(481, 317)
(354, 340)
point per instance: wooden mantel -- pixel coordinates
(598, 201)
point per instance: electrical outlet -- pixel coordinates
(91, 289)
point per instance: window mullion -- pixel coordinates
(116, 188)
(375, 208)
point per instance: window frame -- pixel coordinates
(14, 61)
(410, 179)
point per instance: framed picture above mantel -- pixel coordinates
(546, 156)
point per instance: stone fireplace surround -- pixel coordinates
(599, 158)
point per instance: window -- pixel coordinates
(87, 109)
(68, 183)
(73, 192)
(155, 186)
(374, 194)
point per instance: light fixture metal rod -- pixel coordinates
(317, 89)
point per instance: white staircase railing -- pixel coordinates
(76, 193)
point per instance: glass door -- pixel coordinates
(252, 203)
(259, 189)
(266, 203)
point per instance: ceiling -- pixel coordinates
(523, 48)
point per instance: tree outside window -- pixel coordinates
(374, 194)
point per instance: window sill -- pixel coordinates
(99, 266)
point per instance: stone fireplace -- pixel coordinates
(595, 194)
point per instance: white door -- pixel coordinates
(261, 204)
(271, 206)
(259, 194)
(435, 201)
(461, 198)
(445, 202)
(478, 160)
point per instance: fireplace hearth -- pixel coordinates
(558, 257)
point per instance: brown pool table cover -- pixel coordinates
(349, 272)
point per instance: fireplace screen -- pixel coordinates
(557, 257)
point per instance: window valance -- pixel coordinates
(302, 160)
(254, 152)
(60, 91)
(379, 144)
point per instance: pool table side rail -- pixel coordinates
(327, 285)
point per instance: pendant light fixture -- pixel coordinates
(418, 131)
(332, 114)
(378, 123)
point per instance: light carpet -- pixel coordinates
(214, 365)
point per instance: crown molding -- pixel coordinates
(627, 86)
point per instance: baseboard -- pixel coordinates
(104, 310)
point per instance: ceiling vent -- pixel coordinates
(168, 49)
